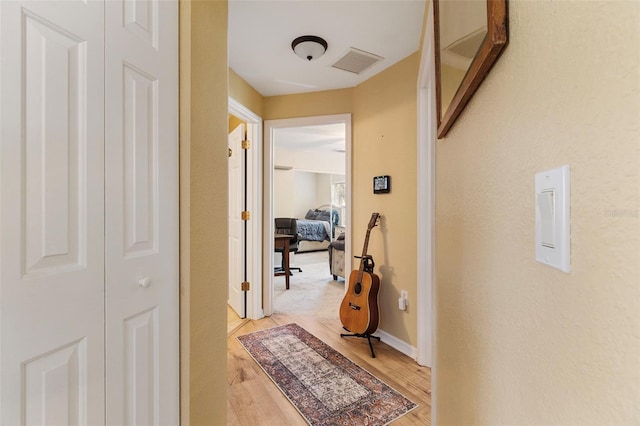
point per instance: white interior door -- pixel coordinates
(142, 212)
(51, 213)
(236, 224)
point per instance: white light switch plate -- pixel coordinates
(553, 218)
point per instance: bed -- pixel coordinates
(316, 229)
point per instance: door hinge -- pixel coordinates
(230, 152)
(246, 215)
(246, 144)
(245, 286)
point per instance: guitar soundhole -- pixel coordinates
(357, 288)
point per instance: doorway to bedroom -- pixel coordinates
(307, 178)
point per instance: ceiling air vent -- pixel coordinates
(356, 61)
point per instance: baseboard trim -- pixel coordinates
(398, 344)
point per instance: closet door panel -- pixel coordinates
(54, 115)
(51, 213)
(142, 213)
(140, 168)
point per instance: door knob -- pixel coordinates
(144, 282)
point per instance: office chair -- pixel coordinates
(285, 225)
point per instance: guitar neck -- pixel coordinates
(364, 254)
(365, 247)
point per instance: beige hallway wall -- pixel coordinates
(385, 135)
(203, 183)
(308, 104)
(520, 342)
(243, 93)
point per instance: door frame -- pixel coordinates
(426, 249)
(254, 205)
(268, 228)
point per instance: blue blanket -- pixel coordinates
(314, 230)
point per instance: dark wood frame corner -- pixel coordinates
(491, 48)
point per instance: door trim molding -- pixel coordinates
(426, 210)
(254, 205)
(269, 128)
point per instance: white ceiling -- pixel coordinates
(261, 32)
(321, 137)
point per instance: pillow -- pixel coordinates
(311, 215)
(324, 215)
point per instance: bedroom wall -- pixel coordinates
(309, 192)
(323, 189)
(304, 193)
(519, 342)
(284, 193)
(308, 184)
(295, 192)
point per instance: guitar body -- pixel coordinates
(359, 307)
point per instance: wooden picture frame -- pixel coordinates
(490, 49)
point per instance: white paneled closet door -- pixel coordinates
(51, 213)
(142, 212)
(88, 213)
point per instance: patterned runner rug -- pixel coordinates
(323, 385)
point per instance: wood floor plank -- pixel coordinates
(253, 399)
(234, 322)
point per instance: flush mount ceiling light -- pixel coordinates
(309, 47)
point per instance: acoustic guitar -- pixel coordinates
(359, 307)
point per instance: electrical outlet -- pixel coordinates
(402, 301)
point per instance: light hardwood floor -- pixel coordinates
(233, 321)
(253, 399)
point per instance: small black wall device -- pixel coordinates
(381, 184)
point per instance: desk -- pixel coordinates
(282, 241)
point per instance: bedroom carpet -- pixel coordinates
(312, 291)
(323, 385)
